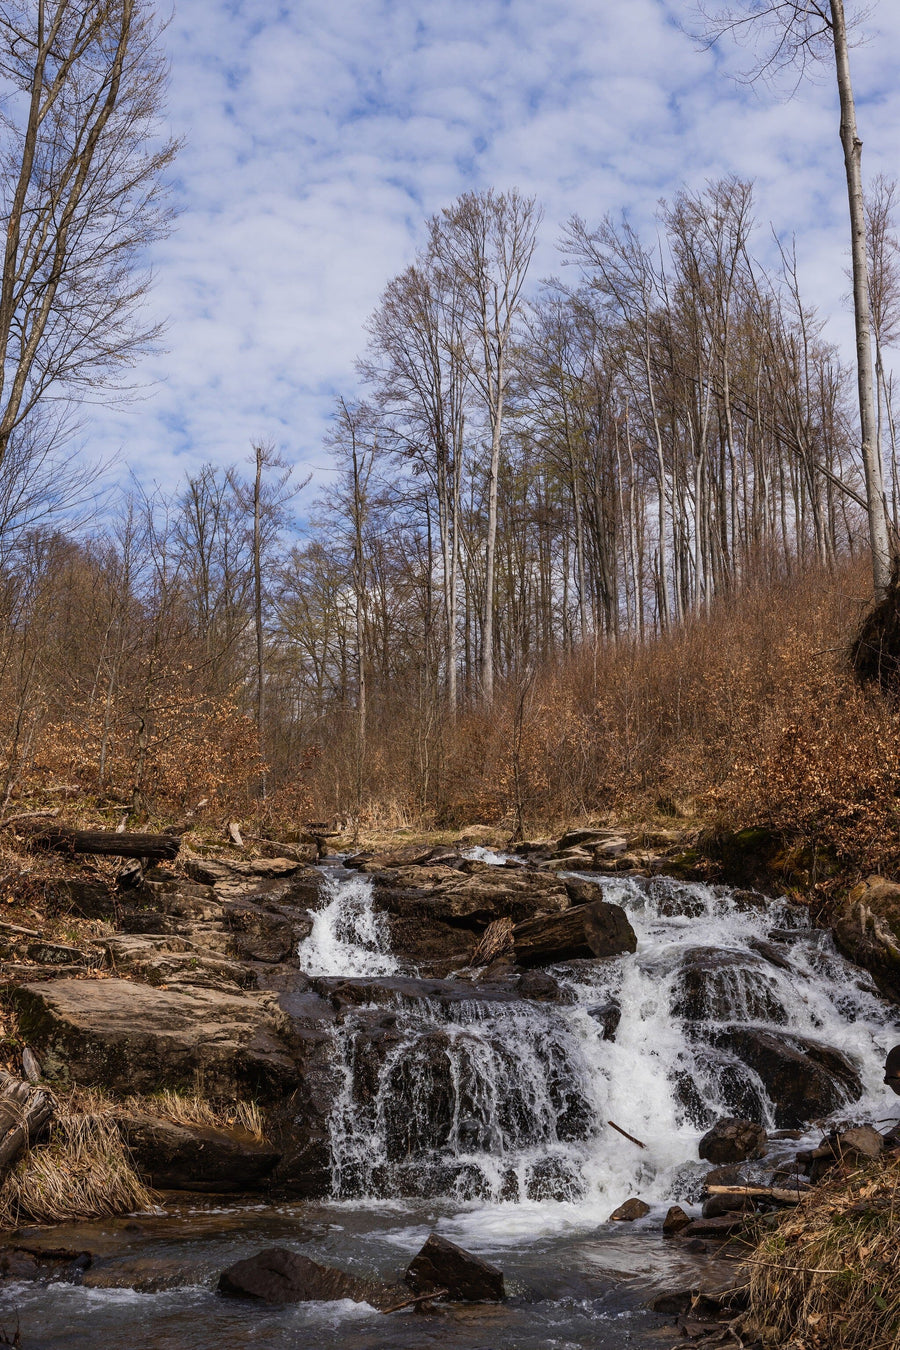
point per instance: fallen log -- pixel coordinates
(24, 1111)
(776, 1193)
(496, 940)
(158, 847)
(594, 930)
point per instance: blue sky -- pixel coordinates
(320, 135)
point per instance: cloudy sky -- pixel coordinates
(320, 135)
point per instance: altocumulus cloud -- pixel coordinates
(320, 135)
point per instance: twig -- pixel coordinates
(422, 1298)
(619, 1129)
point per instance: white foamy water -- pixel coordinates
(504, 1106)
(348, 937)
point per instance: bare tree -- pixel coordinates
(796, 33)
(80, 195)
(487, 240)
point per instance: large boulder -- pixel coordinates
(442, 1265)
(803, 1079)
(599, 929)
(867, 931)
(719, 986)
(281, 1276)
(443, 894)
(131, 1037)
(181, 1157)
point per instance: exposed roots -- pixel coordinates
(83, 1171)
(875, 654)
(828, 1277)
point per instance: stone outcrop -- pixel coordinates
(805, 1080)
(867, 930)
(131, 1038)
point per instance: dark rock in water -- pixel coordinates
(675, 1221)
(770, 952)
(803, 1079)
(537, 984)
(629, 1211)
(442, 1265)
(717, 986)
(714, 1206)
(720, 1227)
(281, 1276)
(892, 1070)
(731, 1140)
(195, 1157)
(596, 930)
(609, 1015)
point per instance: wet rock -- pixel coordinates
(609, 1015)
(714, 1206)
(538, 985)
(576, 838)
(732, 1140)
(596, 930)
(892, 1070)
(173, 1156)
(868, 931)
(131, 1037)
(442, 1265)
(675, 1221)
(629, 1211)
(277, 1275)
(803, 1079)
(721, 1226)
(716, 986)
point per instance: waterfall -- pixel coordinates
(500, 1100)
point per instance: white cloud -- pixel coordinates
(320, 136)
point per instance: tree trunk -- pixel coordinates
(24, 1111)
(878, 528)
(594, 930)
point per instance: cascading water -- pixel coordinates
(483, 1096)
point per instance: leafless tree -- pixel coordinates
(793, 34)
(81, 195)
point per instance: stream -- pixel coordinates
(486, 1120)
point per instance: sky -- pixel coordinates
(320, 135)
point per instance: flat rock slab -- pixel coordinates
(278, 1275)
(132, 1037)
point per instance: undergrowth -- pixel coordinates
(828, 1276)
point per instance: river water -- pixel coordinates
(487, 1121)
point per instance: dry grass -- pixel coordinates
(198, 1110)
(82, 1171)
(828, 1277)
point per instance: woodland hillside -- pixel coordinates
(597, 551)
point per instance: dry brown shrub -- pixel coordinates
(828, 1276)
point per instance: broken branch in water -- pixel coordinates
(619, 1129)
(421, 1298)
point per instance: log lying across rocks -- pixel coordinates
(158, 847)
(594, 930)
(24, 1111)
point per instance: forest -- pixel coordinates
(534, 584)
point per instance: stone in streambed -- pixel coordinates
(442, 1265)
(277, 1275)
(675, 1221)
(732, 1140)
(608, 1015)
(629, 1211)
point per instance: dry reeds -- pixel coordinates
(199, 1110)
(828, 1277)
(82, 1171)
